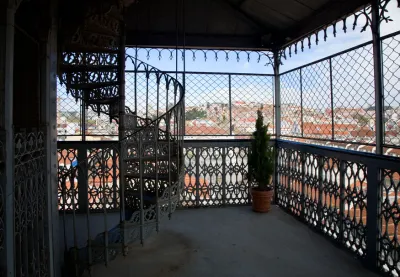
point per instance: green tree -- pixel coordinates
(261, 157)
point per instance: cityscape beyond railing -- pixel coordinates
(329, 102)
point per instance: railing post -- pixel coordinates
(230, 104)
(378, 75)
(83, 180)
(320, 161)
(277, 95)
(303, 184)
(342, 174)
(332, 106)
(276, 156)
(197, 186)
(224, 150)
(373, 207)
(301, 102)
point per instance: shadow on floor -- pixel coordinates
(234, 241)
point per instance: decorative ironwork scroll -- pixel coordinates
(322, 33)
(389, 237)
(31, 242)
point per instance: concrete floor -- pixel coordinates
(234, 241)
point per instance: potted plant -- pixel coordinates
(261, 167)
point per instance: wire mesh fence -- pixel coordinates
(391, 74)
(227, 104)
(332, 101)
(328, 101)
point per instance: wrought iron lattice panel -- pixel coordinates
(311, 190)
(389, 238)
(103, 178)
(30, 204)
(236, 169)
(207, 104)
(355, 207)
(88, 177)
(391, 74)
(325, 190)
(68, 197)
(291, 111)
(215, 174)
(316, 99)
(210, 176)
(296, 161)
(189, 194)
(282, 187)
(249, 93)
(331, 218)
(354, 95)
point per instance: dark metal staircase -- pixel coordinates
(92, 67)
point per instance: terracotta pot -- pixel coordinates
(262, 200)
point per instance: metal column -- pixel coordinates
(277, 95)
(378, 76)
(6, 122)
(49, 91)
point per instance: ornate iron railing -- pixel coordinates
(30, 204)
(351, 197)
(215, 175)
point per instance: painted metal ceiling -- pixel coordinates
(231, 24)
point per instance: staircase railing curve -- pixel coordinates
(151, 168)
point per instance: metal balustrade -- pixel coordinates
(350, 197)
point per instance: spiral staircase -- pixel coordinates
(92, 68)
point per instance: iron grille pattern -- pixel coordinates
(329, 190)
(92, 184)
(215, 173)
(310, 187)
(388, 257)
(30, 204)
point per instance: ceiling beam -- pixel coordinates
(238, 10)
(214, 41)
(324, 16)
